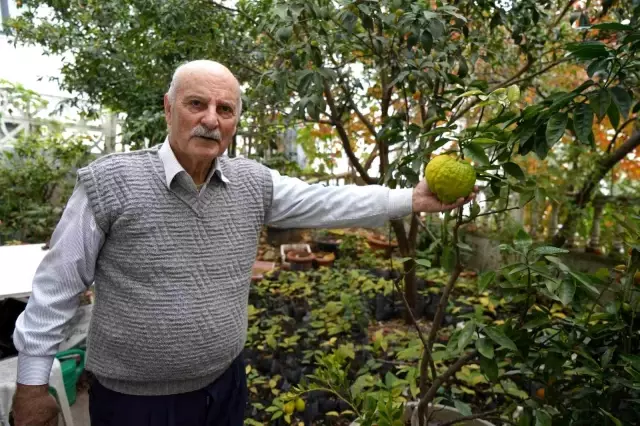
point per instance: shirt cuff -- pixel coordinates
(400, 203)
(34, 370)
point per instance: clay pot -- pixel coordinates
(380, 244)
(260, 268)
(300, 260)
(325, 259)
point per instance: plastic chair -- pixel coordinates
(8, 377)
(71, 370)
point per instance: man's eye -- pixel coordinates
(195, 103)
(226, 108)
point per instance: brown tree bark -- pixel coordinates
(586, 192)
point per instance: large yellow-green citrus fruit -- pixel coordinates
(450, 178)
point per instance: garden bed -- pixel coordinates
(299, 318)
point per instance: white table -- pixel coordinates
(18, 265)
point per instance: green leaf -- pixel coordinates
(600, 102)
(634, 360)
(612, 26)
(465, 409)
(522, 240)
(514, 170)
(615, 420)
(448, 259)
(486, 278)
(424, 262)
(426, 39)
(567, 291)
(525, 418)
(583, 122)
(498, 336)
(436, 28)
(477, 154)
(614, 115)
(586, 282)
(284, 33)
(475, 209)
(281, 10)
(486, 141)
(485, 347)
(549, 250)
(489, 367)
(466, 334)
(622, 99)
(543, 418)
(436, 145)
(598, 65)
(607, 356)
(588, 50)
(474, 92)
(536, 322)
(556, 126)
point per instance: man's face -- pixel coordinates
(202, 119)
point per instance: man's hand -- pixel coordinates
(34, 406)
(426, 201)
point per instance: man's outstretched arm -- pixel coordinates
(297, 204)
(64, 273)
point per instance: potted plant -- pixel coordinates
(325, 258)
(381, 243)
(300, 260)
(328, 241)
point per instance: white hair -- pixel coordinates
(200, 65)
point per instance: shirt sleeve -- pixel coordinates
(65, 272)
(297, 204)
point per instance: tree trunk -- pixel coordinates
(617, 245)
(407, 248)
(533, 219)
(553, 219)
(233, 146)
(594, 238)
(584, 195)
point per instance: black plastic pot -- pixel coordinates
(385, 308)
(327, 245)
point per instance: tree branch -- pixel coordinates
(453, 369)
(413, 230)
(227, 8)
(615, 136)
(362, 118)
(524, 69)
(346, 142)
(311, 120)
(468, 418)
(505, 83)
(427, 358)
(584, 195)
(606, 165)
(564, 12)
(372, 157)
(542, 71)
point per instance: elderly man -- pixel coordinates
(169, 235)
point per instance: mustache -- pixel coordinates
(203, 132)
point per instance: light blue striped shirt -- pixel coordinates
(68, 267)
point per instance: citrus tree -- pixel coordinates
(423, 77)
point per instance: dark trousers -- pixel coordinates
(222, 403)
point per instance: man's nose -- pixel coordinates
(210, 119)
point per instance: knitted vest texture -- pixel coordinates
(172, 279)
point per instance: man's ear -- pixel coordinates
(167, 109)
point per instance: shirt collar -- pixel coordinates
(172, 167)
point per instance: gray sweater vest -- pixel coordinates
(172, 279)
